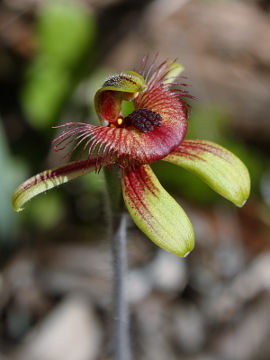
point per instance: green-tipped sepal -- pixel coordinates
(49, 179)
(155, 212)
(218, 167)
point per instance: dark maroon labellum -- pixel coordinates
(143, 119)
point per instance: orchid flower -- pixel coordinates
(155, 130)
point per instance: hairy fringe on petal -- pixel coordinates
(102, 142)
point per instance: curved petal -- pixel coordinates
(49, 179)
(218, 167)
(132, 145)
(172, 111)
(155, 212)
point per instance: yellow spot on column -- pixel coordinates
(119, 121)
(112, 126)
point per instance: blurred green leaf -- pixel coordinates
(65, 37)
(44, 92)
(65, 30)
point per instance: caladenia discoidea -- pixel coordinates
(154, 130)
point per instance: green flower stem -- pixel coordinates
(118, 235)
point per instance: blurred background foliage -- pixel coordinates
(65, 34)
(53, 57)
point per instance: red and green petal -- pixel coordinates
(218, 167)
(155, 212)
(49, 179)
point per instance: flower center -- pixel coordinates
(143, 119)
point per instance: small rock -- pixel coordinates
(70, 332)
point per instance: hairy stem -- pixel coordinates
(118, 237)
